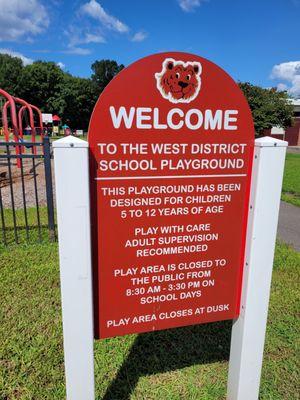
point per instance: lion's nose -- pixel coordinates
(182, 84)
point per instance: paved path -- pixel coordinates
(293, 149)
(289, 225)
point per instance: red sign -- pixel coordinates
(171, 141)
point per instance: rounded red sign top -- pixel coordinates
(171, 98)
(171, 140)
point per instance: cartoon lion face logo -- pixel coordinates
(179, 81)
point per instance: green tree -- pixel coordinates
(41, 84)
(104, 71)
(79, 96)
(10, 72)
(269, 107)
(45, 85)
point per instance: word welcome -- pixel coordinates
(176, 118)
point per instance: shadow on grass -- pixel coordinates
(169, 350)
(31, 235)
(37, 229)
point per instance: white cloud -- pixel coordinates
(139, 36)
(80, 51)
(25, 60)
(290, 73)
(96, 11)
(61, 65)
(281, 87)
(77, 36)
(93, 38)
(22, 19)
(85, 31)
(294, 90)
(190, 5)
(286, 70)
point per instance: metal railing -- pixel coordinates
(26, 192)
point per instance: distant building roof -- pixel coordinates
(296, 104)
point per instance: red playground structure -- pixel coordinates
(13, 112)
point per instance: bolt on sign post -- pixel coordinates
(180, 233)
(171, 141)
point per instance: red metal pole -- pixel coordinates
(20, 119)
(15, 126)
(40, 119)
(29, 108)
(5, 121)
(31, 119)
(13, 113)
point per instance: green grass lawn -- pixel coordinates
(186, 363)
(291, 180)
(32, 235)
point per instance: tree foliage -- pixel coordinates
(10, 72)
(104, 71)
(80, 96)
(41, 84)
(269, 107)
(47, 86)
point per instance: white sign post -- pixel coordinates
(73, 219)
(73, 215)
(248, 331)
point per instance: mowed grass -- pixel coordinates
(27, 138)
(34, 233)
(186, 363)
(291, 179)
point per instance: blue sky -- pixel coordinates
(253, 40)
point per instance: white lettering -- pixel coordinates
(176, 118)
(213, 122)
(122, 115)
(170, 118)
(228, 119)
(140, 117)
(156, 124)
(188, 116)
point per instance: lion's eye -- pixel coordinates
(177, 75)
(188, 77)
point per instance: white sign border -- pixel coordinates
(71, 163)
